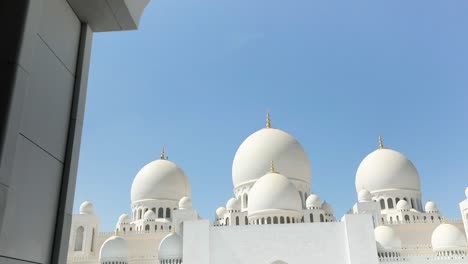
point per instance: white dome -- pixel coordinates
(124, 219)
(149, 215)
(86, 208)
(364, 196)
(403, 205)
(273, 192)
(253, 157)
(430, 207)
(171, 247)
(448, 237)
(387, 239)
(220, 212)
(160, 179)
(313, 201)
(185, 203)
(233, 204)
(327, 207)
(386, 169)
(114, 247)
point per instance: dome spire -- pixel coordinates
(381, 146)
(272, 167)
(162, 153)
(268, 121)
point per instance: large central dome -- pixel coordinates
(160, 179)
(386, 169)
(253, 157)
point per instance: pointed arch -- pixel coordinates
(79, 236)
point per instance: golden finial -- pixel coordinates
(162, 153)
(272, 167)
(380, 143)
(268, 121)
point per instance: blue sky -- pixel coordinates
(198, 77)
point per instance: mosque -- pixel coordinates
(273, 217)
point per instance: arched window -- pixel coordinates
(147, 227)
(311, 218)
(391, 219)
(154, 210)
(155, 227)
(139, 213)
(168, 212)
(321, 218)
(302, 200)
(161, 212)
(263, 221)
(282, 220)
(170, 227)
(237, 220)
(382, 203)
(269, 220)
(246, 220)
(293, 220)
(407, 218)
(397, 200)
(162, 227)
(79, 238)
(275, 220)
(398, 218)
(288, 220)
(92, 240)
(390, 203)
(227, 221)
(131, 229)
(413, 204)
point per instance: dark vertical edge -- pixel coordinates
(13, 14)
(67, 187)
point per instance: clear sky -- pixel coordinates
(198, 77)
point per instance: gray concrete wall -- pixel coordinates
(44, 70)
(38, 133)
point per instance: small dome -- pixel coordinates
(185, 203)
(313, 201)
(402, 205)
(171, 247)
(274, 192)
(387, 239)
(220, 212)
(448, 237)
(364, 196)
(385, 169)
(124, 219)
(149, 215)
(233, 205)
(86, 208)
(160, 179)
(327, 207)
(431, 207)
(253, 157)
(114, 248)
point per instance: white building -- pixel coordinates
(273, 217)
